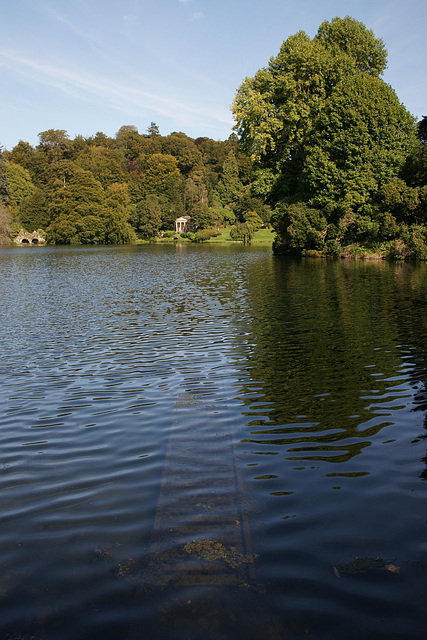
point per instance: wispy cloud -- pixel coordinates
(88, 87)
(198, 15)
(74, 28)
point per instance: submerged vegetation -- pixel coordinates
(325, 153)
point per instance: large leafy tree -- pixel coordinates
(6, 230)
(4, 187)
(55, 143)
(297, 103)
(229, 186)
(184, 150)
(147, 216)
(77, 206)
(325, 130)
(358, 143)
(20, 185)
(33, 211)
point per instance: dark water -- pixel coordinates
(316, 369)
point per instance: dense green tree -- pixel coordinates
(229, 187)
(129, 141)
(422, 130)
(104, 164)
(118, 210)
(4, 187)
(184, 150)
(298, 228)
(278, 111)
(22, 154)
(101, 140)
(147, 216)
(76, 206)
(55, 143)
(20, 186)
(6, 231)
(248, 202)
(153, 130)
(358, 143)
(33, 212)
(202, 216)
(242, 232)
(252, 218)
(415, 170)
(195, 189)
(346, 35)
(159, 170)
(326, 131)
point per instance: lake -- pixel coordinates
(211, 442)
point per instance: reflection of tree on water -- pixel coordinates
(420, 404)
(334, 350)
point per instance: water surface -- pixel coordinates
(314, 370)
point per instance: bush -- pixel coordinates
(333, 248)
(203, 234)
(299, 228)
(242, 232)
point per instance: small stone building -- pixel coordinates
(182, 224)
(24, 237)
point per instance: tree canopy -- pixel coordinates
(110, 190)
(324, 130)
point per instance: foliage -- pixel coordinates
(33, 212)
(55, 144)
(90, 189)
(104, 163)
(202, 216)
(117, 204)
(351, 37)
(242, 232)
(185, 151)
(4, 187)
(5, 225)
(325, 151)
(146, 217)
(298, 228)
(415, 170)
(422, 130)
(328, 138)
(252, 218)
(204, 234)
(20, 185)
(248, 202)
(358, 143)
(160, 173)
(229, 186)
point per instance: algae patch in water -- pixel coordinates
(365, 565)
(212, 550)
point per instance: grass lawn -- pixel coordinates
(263, 236)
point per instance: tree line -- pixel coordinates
(323, 150)
(105, 190)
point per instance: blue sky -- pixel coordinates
(95, 65)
